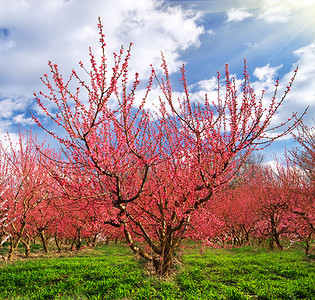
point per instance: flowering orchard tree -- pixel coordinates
(156, 170)
(3, 219)
(304, 155)
(301, 166)
(237, 215)
(27, 183)
(4, 222)
(44, 219)
(4, 169)
(280, 203)
(82, 205)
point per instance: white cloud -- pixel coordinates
(9, 106)
(275, 14)
(206, 85)
(306, 62)
(61, 31)
(280, 11)
(266, 73)
(22, 120)
(251, 45)
(303, 92)
(211, 32)
(237, 15)
(290, 4)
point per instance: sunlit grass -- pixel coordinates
(112, 272)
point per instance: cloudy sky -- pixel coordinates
(274, 36)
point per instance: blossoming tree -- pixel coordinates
(158, 169)
(4, 169)
(27, 186)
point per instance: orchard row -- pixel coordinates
(43, 197)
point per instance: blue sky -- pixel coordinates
(274, 36)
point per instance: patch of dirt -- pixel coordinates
(19, 256)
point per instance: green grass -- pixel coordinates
(112, 272)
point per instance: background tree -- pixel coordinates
(27, 186)
(303, 157)
(280, 203)
(4, 169)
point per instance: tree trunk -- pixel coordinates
(79, 241)
(44, 241)
(308, 244)
(163, 265)
(94, 240)
(58, 244)
(72, 245)
(27, 245)
(161, 252)
(277, 240)
(274, 233)
(13, 246)
(271, 243)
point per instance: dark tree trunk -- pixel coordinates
(13, 246)
(27, 245)
(15, 243)
(44, 241)
(72, 245)
(308, 244)
(164, 265)
(79, 242)
(277, 241)
(271, 244)
(94, 240)
(58, 244)
(274, 234)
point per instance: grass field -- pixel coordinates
(112, 272)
